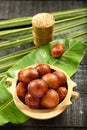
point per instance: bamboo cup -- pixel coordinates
(43, 28)
(38, 41)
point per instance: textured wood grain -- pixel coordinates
(19, 8)
(75, 116)
(42, 128)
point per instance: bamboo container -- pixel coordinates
(43, 28)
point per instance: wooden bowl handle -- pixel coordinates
(75, 95)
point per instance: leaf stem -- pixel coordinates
(77, 35)
(70, 19)
(14, 32)
(70, 26)
(69, 12)
(16, 54)
(16, 22)
(16, 42)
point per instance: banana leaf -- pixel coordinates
(69, 62)
(8, 111)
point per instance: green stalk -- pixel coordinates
(70, 19)
(15, 32)
(70, 12)
(72, 32)
(17, 22)
(7, 61)
(70, 26)
(69, 23)
(77, 35)
(6, 66)
(16, 55)
(16, 42)
(82, 38)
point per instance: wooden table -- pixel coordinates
(75, 116)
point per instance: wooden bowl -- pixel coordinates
(43, 114)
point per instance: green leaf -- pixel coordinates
(74, 52)
(69, 62)
(8, 110)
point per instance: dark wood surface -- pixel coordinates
(75, 116)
